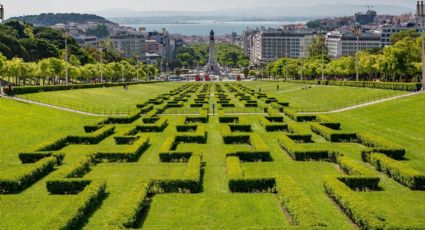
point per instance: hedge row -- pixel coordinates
(186, 128)
(158, 126)
(303, 152)
(398, 171)
(252, 185)
(361, 183)
(122, 120)
(36, 89)
(353, 167)
(196, 119)
(252, 156)
(125, 140)
(66, 186)
(299, 117)
(240, 128)
(369, 84)
(333, 135)
(175, 157)
(381, 145)
(228, 119)
(22, 180)
(91, 138)
(84, 204)
(77, 169)
(29, 158)
(298, 205)
(355, 206)
(131, 154)
(272, 126)
(190, 182)
(129, 211)
(92, 128)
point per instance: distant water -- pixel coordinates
(204, 27)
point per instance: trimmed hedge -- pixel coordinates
(299, 117)
(125, 140)
(228, 119)
(29, 158)
(92, 128)
(186, 128)
(368, 84)
(353, 167)
(302, 152)
(240, 128)
(75, 215)
(361, 183)
(273, 126)
(132, 153)
(129, 211)
(355, 206)
(252, 185)
(22, 180)
(298, 205)
(77, 169)
(91, 138)
(157, 127)
(252, 156)
(175, 157)
(381, 145)
(122, 120)
(333, 135)
(66, 186)
(36, 89)
(397, 170)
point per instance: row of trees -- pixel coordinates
(195, 56)
(399, 62)
(53, 71)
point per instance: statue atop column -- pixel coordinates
(212, 65)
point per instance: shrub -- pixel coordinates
(158, 126)
(302, 152)
(228, 119)
(92, 128)
(252, 156)
(186, 128)
(299, 117)
(369, 84)
(298, 205)
(81, 207)
(29, 158)
(122, 120)
(381, 145)
(93, 138)
(333, 135)
(252, 185)
(125, 140)
(77, 169)
(173, 157)
(355, 206)
(129, 211)
(150, 120)
(353, 167)
(240, 128)
(361, 183)
(66, 186)
(132, 154)
(196, 119)
(398, 171)
(25, 178)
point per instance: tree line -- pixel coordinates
(399, 62)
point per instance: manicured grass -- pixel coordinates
(214, 206)
(314, 98)
(112, 100)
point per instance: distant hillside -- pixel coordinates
(53, 19)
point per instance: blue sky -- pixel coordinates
(25, 7)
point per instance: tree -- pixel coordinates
(2, 67)
(44, 70)
(318, 47)
(411, 34)
(246, 72)
(37, 49)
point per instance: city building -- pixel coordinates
(365, 18)
(131, 45)
(162, 45)
(344, 42)
(269, 45)
(388, 30)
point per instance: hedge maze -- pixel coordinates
(321, 175)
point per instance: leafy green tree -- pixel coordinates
(411, 34)
(37, 49)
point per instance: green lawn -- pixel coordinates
(319, 97)
(112, 100)
(215, 206)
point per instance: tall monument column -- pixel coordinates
(212, 66)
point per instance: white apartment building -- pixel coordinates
(267, 46)
(344, 43)
(131, 45)
(389, 30)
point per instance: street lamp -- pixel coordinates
(66, 36)
(420, 16)
(1, 13)
(358, 33)
(101, 60)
